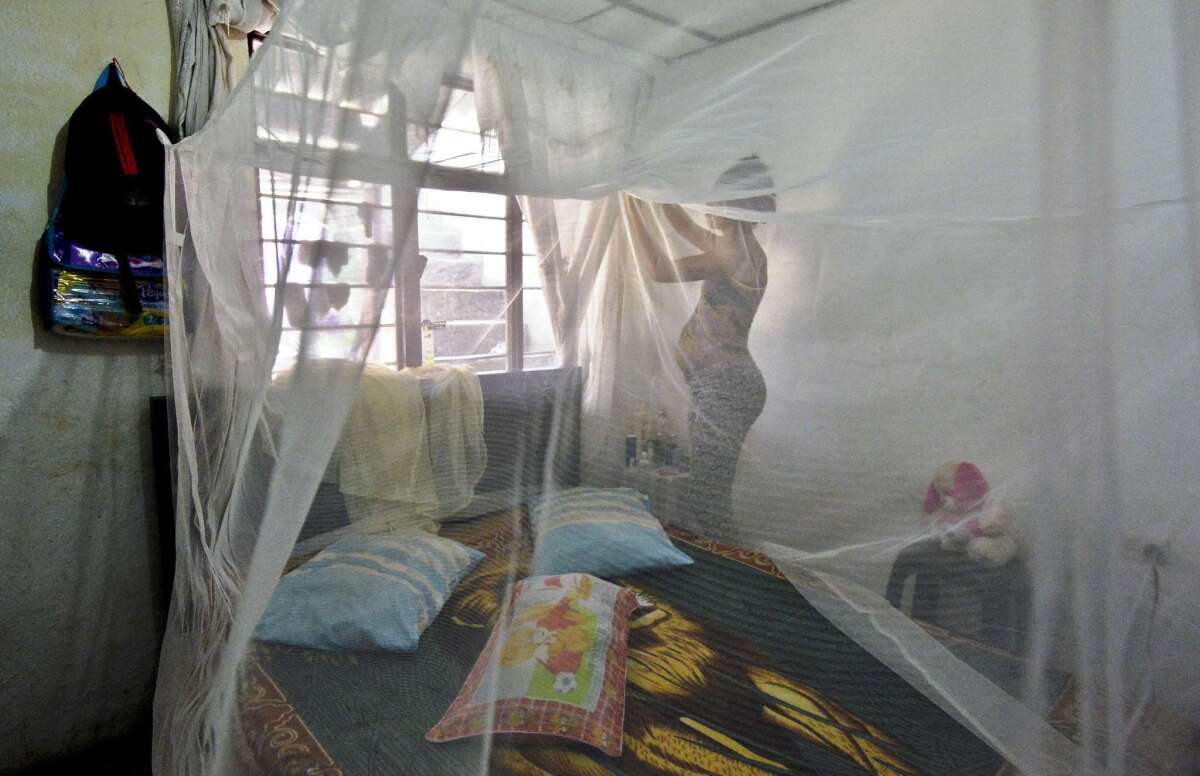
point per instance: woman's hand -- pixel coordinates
(687, 227)
(719, 249)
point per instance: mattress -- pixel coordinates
(731, 672)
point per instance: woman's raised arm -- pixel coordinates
(655, 260)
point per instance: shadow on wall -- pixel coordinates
(80, 584)
(79, 556)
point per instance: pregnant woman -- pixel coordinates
(727, 388)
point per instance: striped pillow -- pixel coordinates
(601, 531)
(367, 593)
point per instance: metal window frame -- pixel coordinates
(410, 263)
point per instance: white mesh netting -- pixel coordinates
(889, 308)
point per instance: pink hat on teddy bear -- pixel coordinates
(961, 483)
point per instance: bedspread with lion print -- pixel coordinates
(730, 673)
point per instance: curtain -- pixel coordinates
(205, 59)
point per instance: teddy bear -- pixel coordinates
(967, 517)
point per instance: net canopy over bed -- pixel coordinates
(859, 340)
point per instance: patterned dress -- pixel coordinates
(728, 392)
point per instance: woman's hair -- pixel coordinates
(749, 174)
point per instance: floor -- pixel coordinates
(1169, 743)
(127, 756)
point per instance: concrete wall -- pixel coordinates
(79, 573)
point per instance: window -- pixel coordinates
(480, 288)
(468, 290)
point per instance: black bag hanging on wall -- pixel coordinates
(102, 270)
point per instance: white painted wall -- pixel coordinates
(79, 571)
(886, 351)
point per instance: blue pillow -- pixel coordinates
(367, 593)
(600, 531)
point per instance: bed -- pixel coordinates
(714, 687)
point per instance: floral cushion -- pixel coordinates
(555, 666)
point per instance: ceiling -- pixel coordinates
(670, 29)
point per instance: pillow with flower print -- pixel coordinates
(554, 666)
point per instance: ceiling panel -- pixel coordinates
(723, 18)
(567, 11)
(642, 33)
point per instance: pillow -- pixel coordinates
(367, 593)
(555, 666)
(601, 531)
(378, 516)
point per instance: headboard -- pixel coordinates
(526, 415)
(520, 413)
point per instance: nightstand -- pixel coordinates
(953, 592)
(667, 491)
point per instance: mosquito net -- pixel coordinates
(668, 387)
